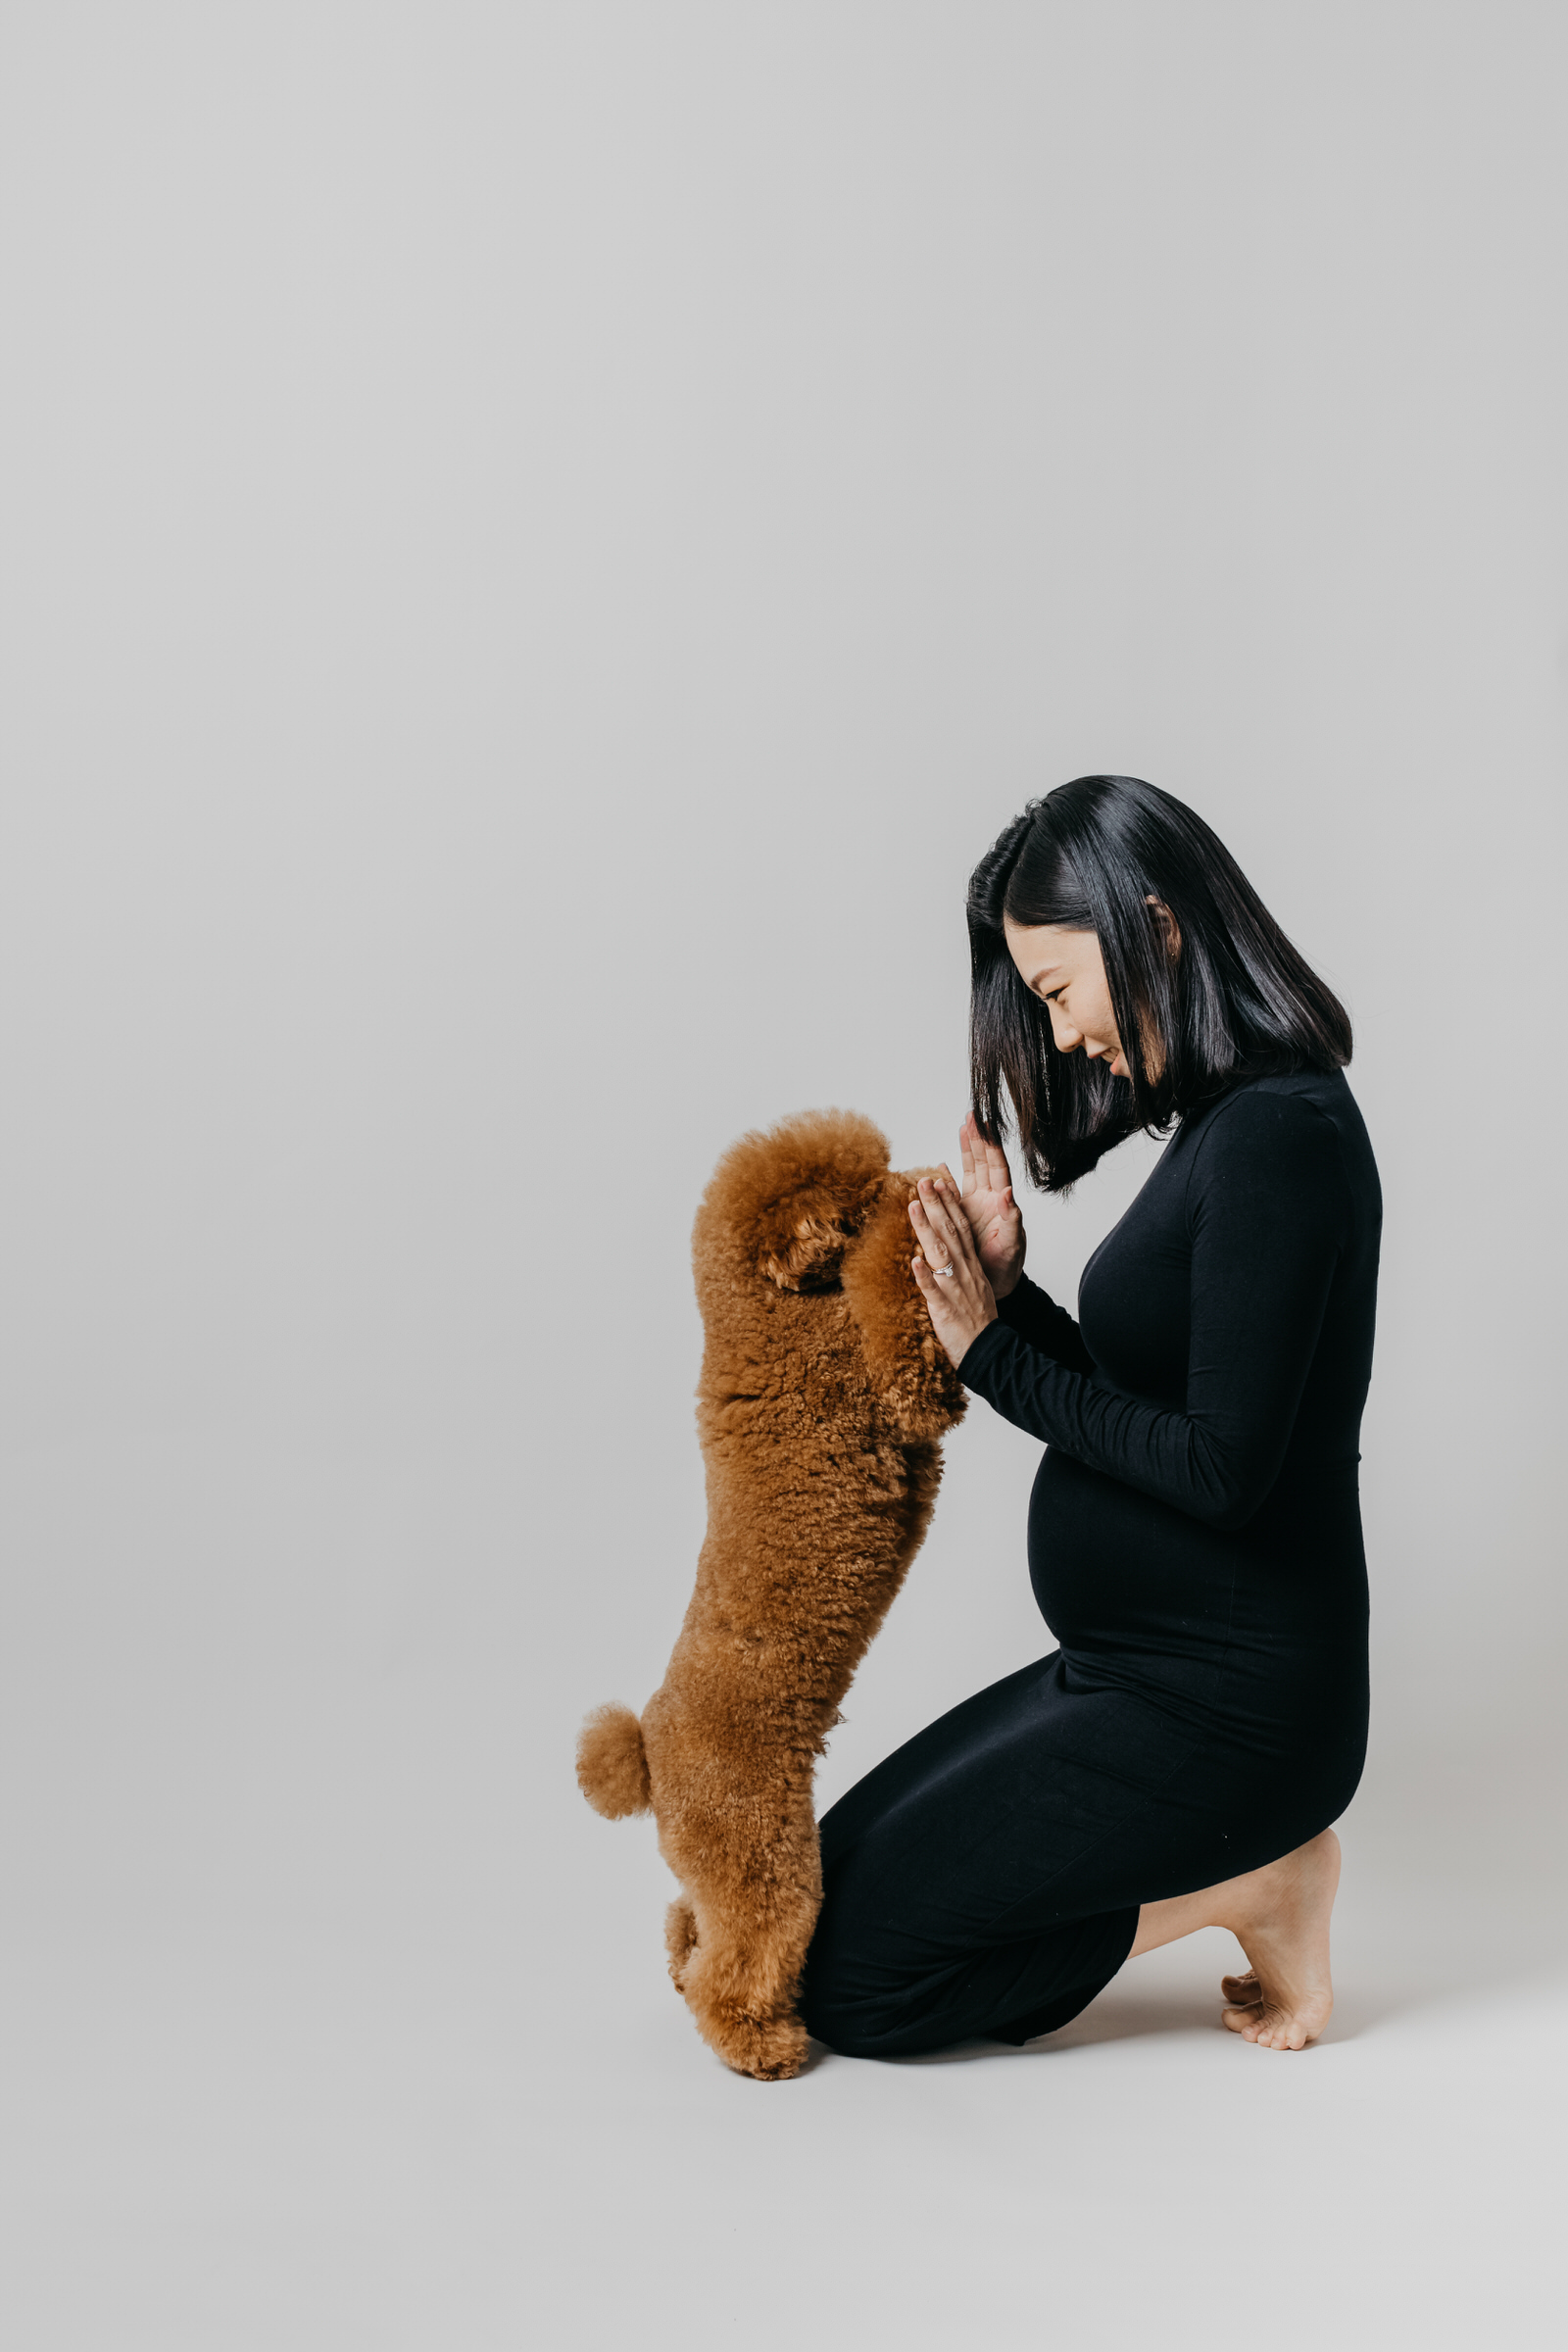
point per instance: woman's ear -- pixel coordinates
(1166, 924)
(915, 1381)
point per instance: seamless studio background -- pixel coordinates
(540, 543)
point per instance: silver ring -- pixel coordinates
(947, 1270)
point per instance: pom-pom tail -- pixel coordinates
(612, 1763)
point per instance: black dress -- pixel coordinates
(1194, 1545)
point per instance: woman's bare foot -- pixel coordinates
(1280, 1917)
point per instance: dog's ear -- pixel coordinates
(802, 1246)
(789, 1201)
(916, 1383)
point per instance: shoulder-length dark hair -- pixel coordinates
(1236, 1001)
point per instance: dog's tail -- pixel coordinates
(612, 1763)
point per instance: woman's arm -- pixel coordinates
(1268, 1209)
(1041, 1323)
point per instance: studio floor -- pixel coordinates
(475, 2133)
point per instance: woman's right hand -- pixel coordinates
(991, 1209)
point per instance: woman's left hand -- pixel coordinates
(957, 1297)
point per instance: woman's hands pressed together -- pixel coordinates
(957, 1232)
(991, 1209)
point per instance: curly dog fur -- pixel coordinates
(822, 1399)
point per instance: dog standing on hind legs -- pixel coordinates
(821, 1405)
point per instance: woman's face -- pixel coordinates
(1068, 972)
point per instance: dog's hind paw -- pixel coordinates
(773, 2052)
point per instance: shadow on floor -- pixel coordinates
(1122, 2014)
(1113, 2016)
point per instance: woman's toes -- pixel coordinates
(1270, 2027)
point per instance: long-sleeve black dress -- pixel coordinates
(1194, 1545)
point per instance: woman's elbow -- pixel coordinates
(1229, 1497)
(1228, 1517)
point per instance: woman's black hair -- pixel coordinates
(1233, 1000)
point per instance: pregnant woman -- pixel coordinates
(1195, 1534)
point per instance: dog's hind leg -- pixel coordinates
(755, 1909)
(680, 1940)
(740, 1982)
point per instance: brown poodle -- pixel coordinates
(822, 1397)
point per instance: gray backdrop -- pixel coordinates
(540, 542)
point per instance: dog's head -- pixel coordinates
(812, 1205)
(789, 1199)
